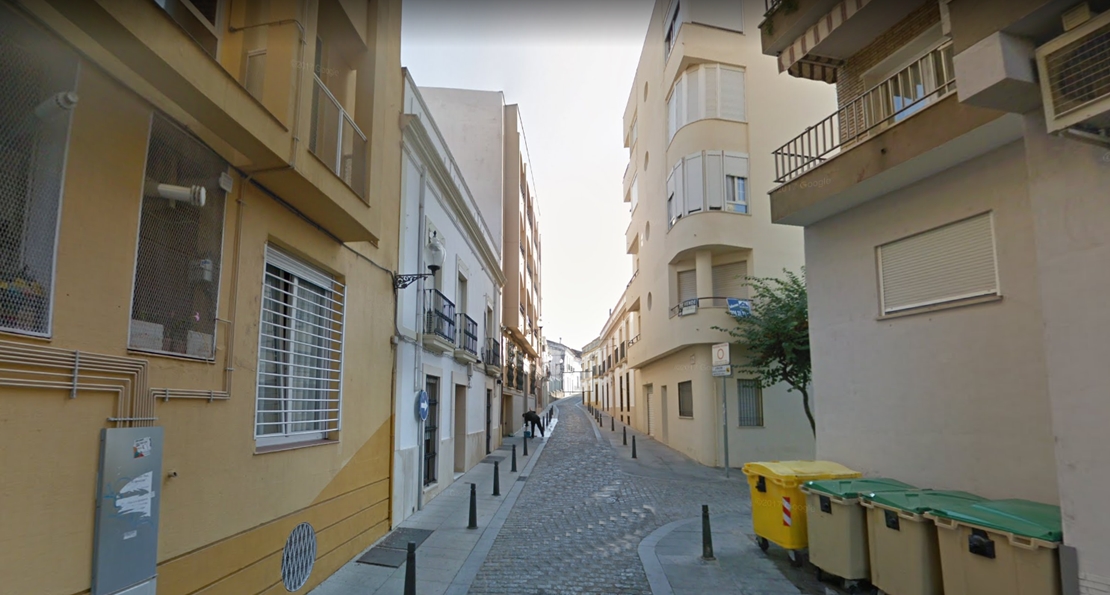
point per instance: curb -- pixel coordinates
(657, 578)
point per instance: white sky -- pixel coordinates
(569, 65)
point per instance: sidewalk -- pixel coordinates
(449, 558)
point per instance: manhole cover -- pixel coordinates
(298, 557)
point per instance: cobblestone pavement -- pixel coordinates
(580, 517)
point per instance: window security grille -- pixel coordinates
(36, 72)
(431, 432)
(750, 398)
(299, 353)
(686, 399)
(177, 269)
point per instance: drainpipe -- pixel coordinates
(418, 349)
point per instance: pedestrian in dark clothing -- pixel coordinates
(532, 418)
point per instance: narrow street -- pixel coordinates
(590, 519)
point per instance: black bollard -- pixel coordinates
(706, 535)
(525, 446)
(473, 507)
(612, 424)
(514, 459)
(633, 446)
(624, 430)
(496, 478)
(410, 570)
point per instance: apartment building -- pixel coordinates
(199, 224)
(449, 319)
(696, 185)
(564, 369)
(955, 221)
(487, 136)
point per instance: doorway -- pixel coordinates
(506, 414)
(489, 418)
(460, 428)
(663, 410)
(648, 389)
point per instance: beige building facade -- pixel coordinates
(199, 229)
(698, 123)
(955, 225)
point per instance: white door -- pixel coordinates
(647, 404)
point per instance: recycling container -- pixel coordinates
(1000, 546)
(905, 558)
(778, 505)
(838, 524)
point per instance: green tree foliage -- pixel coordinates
(776, 334)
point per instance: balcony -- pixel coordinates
(466, 350)
(692, 306)
(439, 322)
(491, 356)
(904, 129)
(633, 341)
(620, 352)
(335, 139)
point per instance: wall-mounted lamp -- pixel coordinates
(193, 195)
(436, 255)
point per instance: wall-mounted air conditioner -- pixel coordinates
(1074, 71)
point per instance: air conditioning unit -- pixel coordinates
(1074, 72)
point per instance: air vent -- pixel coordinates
(1074, 71)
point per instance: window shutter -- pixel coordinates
(732, 94)
(728, 280)
(714, 179)
(695, 184)
(679, 189)
(670, 194)
(711, 91)
(953, 262)
(687, 285)
(680, 103)
(736, 165)
(693, 95)
(672, 124)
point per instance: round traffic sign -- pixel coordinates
(422, 406)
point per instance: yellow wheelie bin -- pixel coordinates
(1000, 546)
(905, 559)
(838, 526)
(778, 505)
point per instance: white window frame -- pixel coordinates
(670, 32)
(732, 203)
(214, 28)
(301, 271)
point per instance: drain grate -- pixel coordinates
(393, 550)
(491, 459)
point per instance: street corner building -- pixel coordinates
(701, 116)
(198, 228)
(955, 218)
(450, 320)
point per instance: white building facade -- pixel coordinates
(448, 317)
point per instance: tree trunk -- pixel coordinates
(809, 413)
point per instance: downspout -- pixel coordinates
(418, 349)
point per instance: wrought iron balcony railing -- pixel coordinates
(336, 140)
(468, 334)
(492, 353)
(439, 318)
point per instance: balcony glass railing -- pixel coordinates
(439, 319)
(910, 90)
(468, 334)
(336, 140)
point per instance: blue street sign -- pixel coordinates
(422, 406)
(739, 308)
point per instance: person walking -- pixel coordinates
(531, 418)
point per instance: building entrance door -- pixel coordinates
(648, 389)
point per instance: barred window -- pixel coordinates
(750, 405)
(177, 267)
(300, 349)
(37, 78)
(686, 399)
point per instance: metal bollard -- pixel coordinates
(706, 535)
(612, 424)
(525, 446)
(633, 446)
(624, 430)
(410, 570)
(496, 478)
(514, 459)
(473, 507)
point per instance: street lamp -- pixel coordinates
(436, 254)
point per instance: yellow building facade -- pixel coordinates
(199, 229)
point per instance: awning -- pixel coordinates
(798, 51)
(816, 68)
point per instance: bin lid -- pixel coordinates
(1020, 517)
(802, 470)
(921, 501)
(852, 488)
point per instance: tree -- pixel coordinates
(776, 334)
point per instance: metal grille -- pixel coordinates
(750, 404)
(468, 334)
(492, 353)
(686, 399)
(298, 557)
(1080, 71)
(177, 268)
(440, 317)
(37, 76)
(336, 140)
(300, 350)
(431, 431)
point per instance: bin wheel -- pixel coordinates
(796, 558)
(763, 543)
(821, 576)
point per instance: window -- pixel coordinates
(707, 91)
(672, 26)
(728, 280)
(687, 285)
(431, 432)
(686, 399)
(255, 73)
(946, 264)
(199, 18)
(37, 72)
(177, 268)
(736, 194)
(300, 350)
(750, 403)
